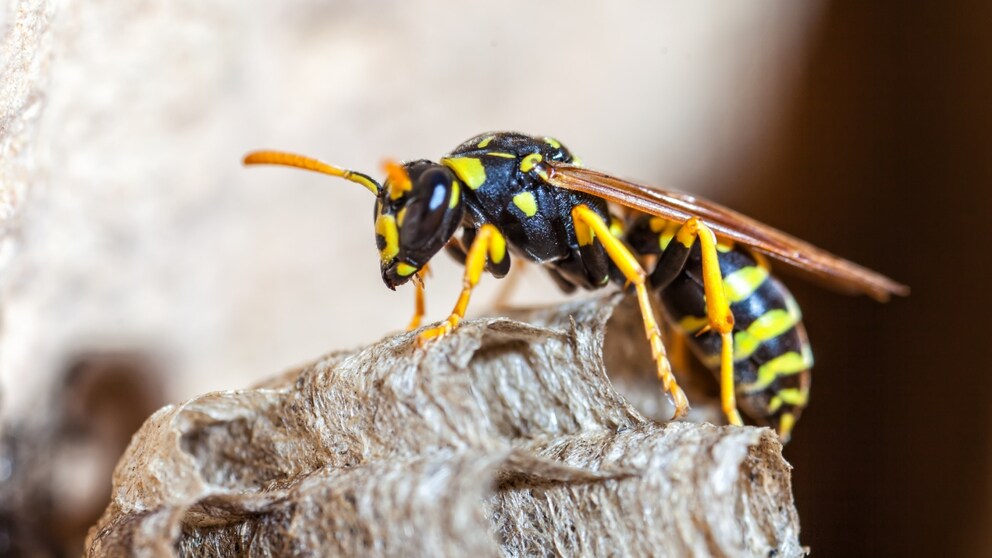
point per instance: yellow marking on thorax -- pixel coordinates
(724, 246)
(485, 141)
(742, 283)
(469, 169)
(552, 142)
(528, 163)
(385, 226)
(525, 202)
(500, 154)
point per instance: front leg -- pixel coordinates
(419, 304)
(488, 244)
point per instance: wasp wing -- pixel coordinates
(729, 224)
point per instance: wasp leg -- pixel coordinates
(487, 244)
(720, 316)
(419, 305)
(721, 319)
(673, 243)
(589, 225)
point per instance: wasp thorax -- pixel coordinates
(418, 210)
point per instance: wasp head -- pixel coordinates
(417, 211)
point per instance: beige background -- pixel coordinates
(129, 223)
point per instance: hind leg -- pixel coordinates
(718, 315)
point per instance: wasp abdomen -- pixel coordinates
(772, 355)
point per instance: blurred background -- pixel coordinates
(140, 264)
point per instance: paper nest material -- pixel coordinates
(503, 439)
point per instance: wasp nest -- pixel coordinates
(503, 439)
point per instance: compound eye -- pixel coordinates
(427, 205)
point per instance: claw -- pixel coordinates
(680, 401)
(437, 332)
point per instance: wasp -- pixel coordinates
(511, 193)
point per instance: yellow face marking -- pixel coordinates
(404, 269)
(468, 169)
(552, 142)
(485, 141)
(529, 162)
(497, 247)
(400, 216)
(385, 226)
(501, 154)
(456, 192)
(743, 282)
(782, 365)
(770, 325)
(525, 202)
(724, 246)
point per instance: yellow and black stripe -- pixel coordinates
(772, 356)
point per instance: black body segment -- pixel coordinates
(502, 172)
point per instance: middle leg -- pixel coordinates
(589, 226)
